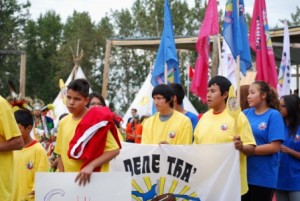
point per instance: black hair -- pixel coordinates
(271, 96)
(24, 118)
(166, 91)
(223, 83)
(292, 105)
(179, 92)
(81, 86)
(96, 95)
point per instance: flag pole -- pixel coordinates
(238, 64)
(166, 73)
(220, 56)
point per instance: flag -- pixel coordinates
(260, 42)
(191, 72)
(284, 78)
(166, 54)
(227, 69)
(210, 26)
(235, 33)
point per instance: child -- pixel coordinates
(31, 159)
(268, 129)
(72, 127)
(167, 126)
(217, 126)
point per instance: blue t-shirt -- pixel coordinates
(193, 118)
(289, 168)
(266, 127)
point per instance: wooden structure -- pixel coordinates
(188, 43)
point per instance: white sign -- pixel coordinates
(181, 172)
(102, 187)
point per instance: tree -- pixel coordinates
(295, 18)
(13, 18)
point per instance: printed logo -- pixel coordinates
(172, 134)
(262, 126)
(29, 165)
(224, 127)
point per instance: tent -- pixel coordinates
(59, 102)
(143, 102)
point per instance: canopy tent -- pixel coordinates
(143, 102)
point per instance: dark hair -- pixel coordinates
(166, 91)
(134, 109)
(81, 86)
(24, 117)
(271, 95)
(179, 92)
(96, 95)
(292, 119)
(223, 83)
(244, 91)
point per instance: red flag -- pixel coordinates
(191, 72)
(260, 42)
(210, 26)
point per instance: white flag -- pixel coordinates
(228, 65)
(284, 78)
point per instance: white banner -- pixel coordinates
(181, 172)
(102, 187)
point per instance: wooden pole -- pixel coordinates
(106, 69)
(23, 74)
(215, 57)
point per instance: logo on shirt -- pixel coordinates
(224, 127)
(29, 165)
(262, 126)
(172, 134)
(297, 138)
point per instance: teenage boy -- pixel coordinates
(217, 126)
(10, 139)
(178, 103)
(99, 151)
(167, 126)
(31, 159)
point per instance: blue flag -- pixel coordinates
(235, 33)
(166, 54)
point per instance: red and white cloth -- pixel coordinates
(90, 135)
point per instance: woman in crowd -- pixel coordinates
(288, 186)
(268, 130)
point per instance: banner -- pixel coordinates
(62, 187)
(181, 172)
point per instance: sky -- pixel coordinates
(276, 9)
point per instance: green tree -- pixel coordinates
(295, 18)
(13, 18)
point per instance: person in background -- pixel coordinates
(133, 113)
(131, 129)
(10, 140)
(28, 161)
(96, 100)
(99, 150)
(244, 91)
(268, 129)
(167, 126)
(178, 103)
(216, 126)
(139, 129)
(288, 185)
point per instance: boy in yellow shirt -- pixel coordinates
(31, 159)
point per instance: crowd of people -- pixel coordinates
(266, 133)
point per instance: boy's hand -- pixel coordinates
(84, 176)
(238, 143)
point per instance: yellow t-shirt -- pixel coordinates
(27, 162)
(66, 131)
(176, 130)
(8, 129)
(220, 128)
